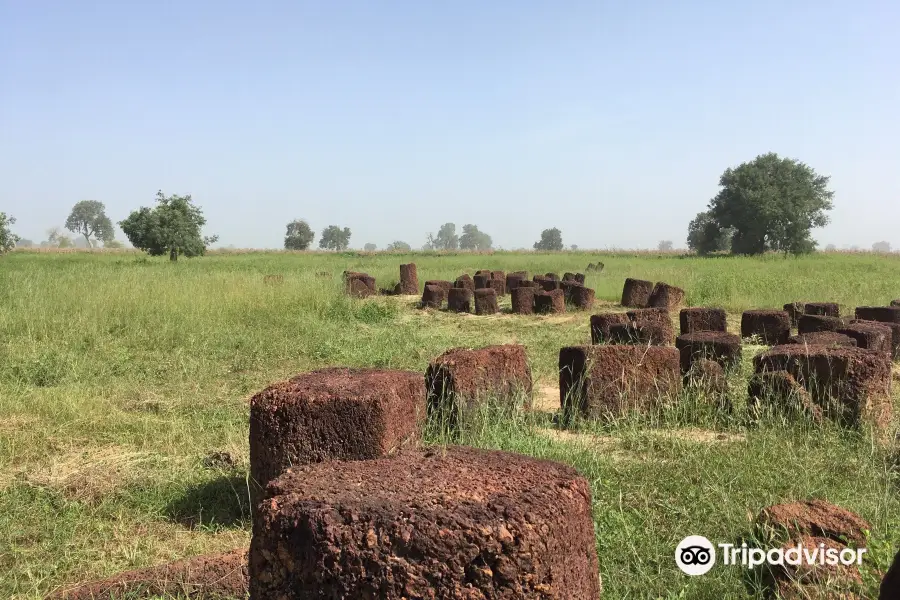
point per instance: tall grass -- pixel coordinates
(120, 374)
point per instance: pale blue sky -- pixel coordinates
(609, 120)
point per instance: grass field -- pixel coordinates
(120, 375)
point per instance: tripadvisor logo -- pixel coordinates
(696, 555)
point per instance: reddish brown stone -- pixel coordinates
(333, 414)
(482, 281)
(636, 293)
(596, 381)
(601, 323)
(550, 302)
(452, 523)
(772, 326)
(210, 576)
(825, 309)
(499, 286)
(656, 324)
(434, 296)
(465, 281)
(552, 276)
(708, 376)
(697, 319)
(568, 276)
(512, 281)
(665, 296)
(813, 525)
(779, 391)
(360, 285)
(895, 302)
(816, 323)
(548, 285)
(723, 348)
(883, 314)
(823, 338)
(794, 310)
(870, 335)
(646, 334)
(523, 300)
(527, 283)
(486, 302)
(444, 285)
(579, 277)
(409, 280)
(460, 300)
(464, 376)
(850, 385)
(895, 335)
(582, 297)
(498, 275)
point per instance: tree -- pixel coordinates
(472, 239)
(88, 218)
(7, 238)
(23, 243)
(665, 246)
(446, 238)
(881, 247)
(57, 239)
(172, 227)
(299, 235)
(399, 246)
(335, 238)
(574, 247)
(551, 239)
(705, 236)
(830, 248)
(772, 203)
(115, 244)
(370, 247)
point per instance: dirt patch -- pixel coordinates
(702, 436)
(467, 522)
(211, 576)
(545, 398)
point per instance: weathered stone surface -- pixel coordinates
(454, 523)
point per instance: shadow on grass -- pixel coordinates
(221, 502)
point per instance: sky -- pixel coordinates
(609, 120)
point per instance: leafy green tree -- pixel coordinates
(574, 247)
(23, 243)
(57, 239)
(830, 248)
(665, 246)
(88, 218)
(446, 238)
(335, 238)
(551, 239)
(473, 239)
(7, 238)
(706, 237)
(299, 235)
(174, 227)
(882, 247)
(772, 203)
(399, 246)
(370, 247)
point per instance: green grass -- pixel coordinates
(119, 374)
